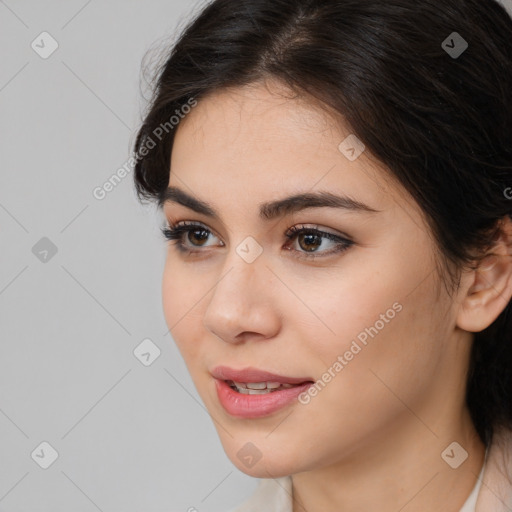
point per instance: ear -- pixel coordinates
(489, 286)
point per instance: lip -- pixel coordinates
(251, 374)
(256, 406)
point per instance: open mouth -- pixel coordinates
(259, 388)
(264, 394)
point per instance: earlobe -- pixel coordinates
(490, 290)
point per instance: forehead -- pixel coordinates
(264, 114)
(261, 142)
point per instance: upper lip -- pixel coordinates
(251, 374)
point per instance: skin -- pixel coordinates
(372, 438)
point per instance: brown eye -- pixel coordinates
(198, 236)
(187, 236)
(309, 241)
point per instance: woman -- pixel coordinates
(336, 181)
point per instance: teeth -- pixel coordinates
(258, 388)
(247, 391)
(257, 385)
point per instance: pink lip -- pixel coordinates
(255, 406)
(254, 375)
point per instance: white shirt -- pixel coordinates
(470, 503)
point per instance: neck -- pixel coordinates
(401, 469)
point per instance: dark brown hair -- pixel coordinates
(437, 114)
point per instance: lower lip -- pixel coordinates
(255, 406)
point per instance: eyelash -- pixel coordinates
(174, 234)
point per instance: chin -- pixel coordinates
(262, 461)
(264, 468)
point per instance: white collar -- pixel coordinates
(470, 503)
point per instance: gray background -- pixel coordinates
(129, 437)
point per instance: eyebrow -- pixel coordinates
(271, 209)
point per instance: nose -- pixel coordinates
(243, 302)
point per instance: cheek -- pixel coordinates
(372, 336)
(344, 313)
(383, 316)
(364, 396)
(387, 349)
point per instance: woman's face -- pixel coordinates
(371, 321)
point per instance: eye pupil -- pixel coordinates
(202, 237)
(312, 239)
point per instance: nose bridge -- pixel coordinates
(237, 280)
(244, 267)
